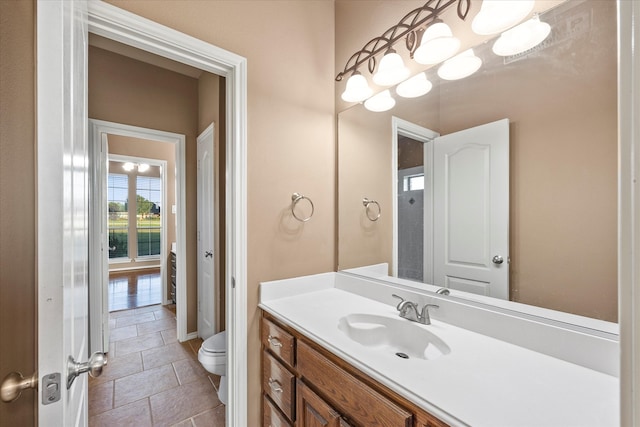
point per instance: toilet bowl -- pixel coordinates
(213, 357)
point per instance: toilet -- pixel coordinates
(213, 357)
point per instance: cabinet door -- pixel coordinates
(315, 412)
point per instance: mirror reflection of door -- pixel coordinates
(453, 209)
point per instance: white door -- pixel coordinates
(62, 194)
(206, 264)
(471, 210)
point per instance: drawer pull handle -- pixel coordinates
(274, 341)
(275, 385)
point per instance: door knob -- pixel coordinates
(208, 254)
(497, 259)
(13, 385)
(94, 366)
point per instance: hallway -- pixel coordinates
(151, 379)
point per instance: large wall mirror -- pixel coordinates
(557, 104)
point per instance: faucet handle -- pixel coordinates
(401, 300)
(424, 315)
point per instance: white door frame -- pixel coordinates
(98, 259)
(426, 136)
(114, 23)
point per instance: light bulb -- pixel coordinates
(417, 85)
(380, 102)
(460, 66)
(143, 167)
(128, 166)
(496, 16)
(357, 89)
(525, 36)
(391, 70)
(437, 45)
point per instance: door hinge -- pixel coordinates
(233, 282)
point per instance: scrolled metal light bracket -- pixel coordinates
(409, 27)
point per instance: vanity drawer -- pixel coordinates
(278, 341)
(279, 384)
(272, 417)
(348, 394)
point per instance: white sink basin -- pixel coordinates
(401, 337)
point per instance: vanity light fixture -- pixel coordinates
(460, 66)
(496, 16)
(438, 44)
(521, 38)
(391, 70)
(382, 101)
(357, 89)
(417, 85)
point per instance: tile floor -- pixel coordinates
(151, 379)
(136, 288)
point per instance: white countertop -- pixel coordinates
(481, 382)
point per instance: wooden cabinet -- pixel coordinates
(278, 341)
(279, 384)
(347, 393)
(272, 415)
(306, 386)
(315, 412)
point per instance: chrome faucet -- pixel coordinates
(409, 310)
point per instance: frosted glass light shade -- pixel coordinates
(417, 85)
(143, 167)
(357, 89)
(128, 166)
(437, 45)
(460, 66)
(521, 38)
(380, 102)
(391, 70)
(496, 16)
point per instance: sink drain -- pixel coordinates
(402, 355)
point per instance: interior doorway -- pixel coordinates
(107, 245)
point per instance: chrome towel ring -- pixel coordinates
(366, 202)
(295, 198)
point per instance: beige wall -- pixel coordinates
(123, 90)
(17, 204)
(289, 48)
(563, 151)
(147, 149)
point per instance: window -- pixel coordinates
(118, 222)
(413, 182)
(148, 225)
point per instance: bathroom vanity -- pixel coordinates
(336, 353)
(303, 382)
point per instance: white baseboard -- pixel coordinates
(191, 336)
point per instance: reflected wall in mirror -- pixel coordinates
(561, 102)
